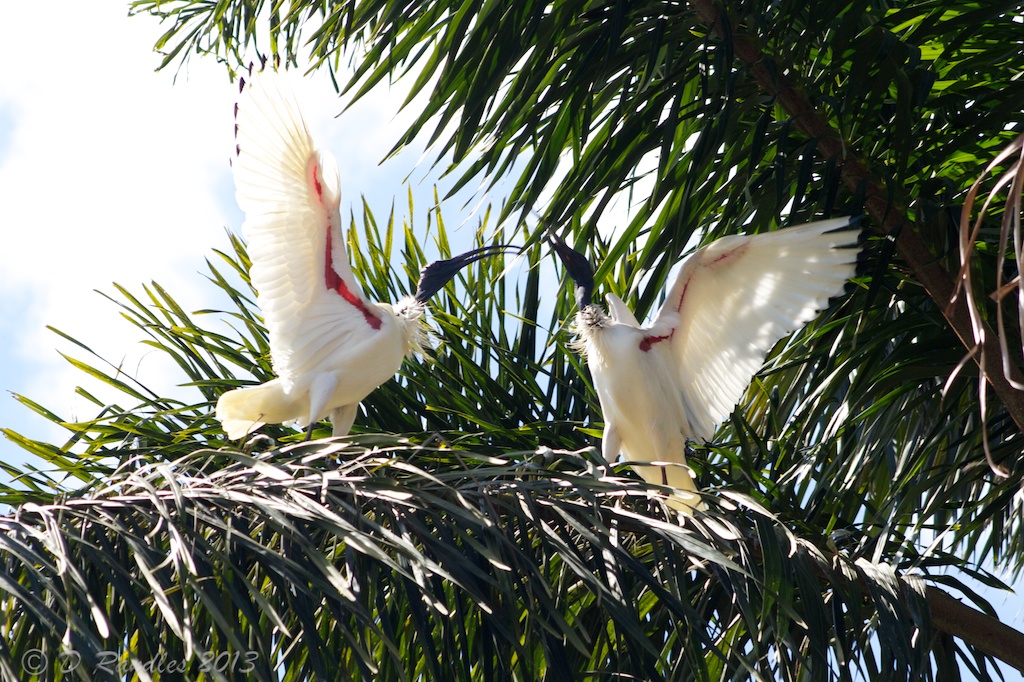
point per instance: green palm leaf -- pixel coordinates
(853, 478)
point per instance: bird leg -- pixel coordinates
(342, 418)
(320, 391)
(611, 443)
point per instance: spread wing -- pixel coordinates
(290, 194)
(736, 297)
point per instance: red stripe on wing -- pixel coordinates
(332, 279)
(717, 262)
(335, 283)
(648, 341)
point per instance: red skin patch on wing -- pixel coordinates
(335, 283)
(682, 296)
(319, 187)
(648, 341)
(731, 253)
(332, 279)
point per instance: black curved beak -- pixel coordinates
(440, 272)
(578, 267)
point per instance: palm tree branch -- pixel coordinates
(447, 536)
(890, 219)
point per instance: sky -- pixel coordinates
(118, 173)
(113, 172)
(109, 172)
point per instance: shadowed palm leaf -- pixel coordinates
(866, 463)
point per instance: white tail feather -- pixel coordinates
(243, 410)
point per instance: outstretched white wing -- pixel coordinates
(736, 297)
(290, 194)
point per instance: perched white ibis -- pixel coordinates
(679, 377)
(330, 346)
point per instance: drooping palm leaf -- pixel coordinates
(375, 558)
(586, 98)
(849, 440)
(409, 557)
(499, 372)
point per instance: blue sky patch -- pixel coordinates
(7, 123)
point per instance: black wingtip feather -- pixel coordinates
(856, 222)
(865, 261)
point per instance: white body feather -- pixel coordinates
(680, 377)
(330, 346)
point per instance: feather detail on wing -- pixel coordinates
(620, 312)
(736, 297)
(290, 194)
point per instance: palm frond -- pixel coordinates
(862, 442)
(393, 561)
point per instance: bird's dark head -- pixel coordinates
(440, 272)
(578, 267)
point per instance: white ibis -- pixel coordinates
(679, 377)
(330, 346)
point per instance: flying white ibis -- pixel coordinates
(679, 377)
(330, 346)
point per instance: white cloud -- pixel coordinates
(112, 172)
